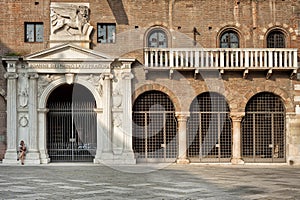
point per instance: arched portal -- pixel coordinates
(263, 129)
(71, 124)
(154, 128)
(209, 129)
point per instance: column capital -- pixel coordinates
(237, 116)
(11, 75)
(107, 76)
(33, 75)
(127, 75)
(182, 116)
(43, 110)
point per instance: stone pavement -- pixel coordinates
(89, 181)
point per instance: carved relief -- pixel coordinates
(23, 121)
(117, 94)
(117, 98)
(43, 81)
(97, 81)
(71, 19)
(3, 93)
(23, 90)
(117, 121)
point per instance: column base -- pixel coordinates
(125, 158)
(33, 158)
(237, 161)
(182, 161)
(10, 157)
(44, 157)
(295, 160)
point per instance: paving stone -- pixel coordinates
(186, 182)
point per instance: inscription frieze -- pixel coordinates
(69, 66)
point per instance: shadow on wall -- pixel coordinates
(119, 12)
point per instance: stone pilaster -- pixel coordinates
(11, 152)
(182, 118)
(100, 136)
(33, 156)
(42, 127)
(236, 137)
(107, 118)
(128, 155)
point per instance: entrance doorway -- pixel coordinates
(263, 129)
(71, 124)
(209, 129)
(154, 128)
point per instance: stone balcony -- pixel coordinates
(222, 59)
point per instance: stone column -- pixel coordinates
(182, 137)
(236, 137)
(11, 152)
(128, 154)
(107, 118)
(42, 131)
(33, 153)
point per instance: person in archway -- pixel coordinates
(22, 152)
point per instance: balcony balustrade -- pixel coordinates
(222, 59)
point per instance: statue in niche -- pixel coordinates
(74, 17)
(23, 90)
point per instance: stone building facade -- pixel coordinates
(150, 81)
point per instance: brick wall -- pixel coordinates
(252, 20)
(134, 17)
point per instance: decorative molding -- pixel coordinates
(23, 90)
(69, 78)
(23, 121)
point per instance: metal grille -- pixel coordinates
(209, 129)
(263, 132)
(276, 39)
(71, 128)
(154, 128)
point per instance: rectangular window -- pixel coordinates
(106, 33)
(34, 32)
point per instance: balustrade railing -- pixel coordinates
(221, 57)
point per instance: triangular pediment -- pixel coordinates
(68, 52)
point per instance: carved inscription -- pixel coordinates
(68, 66)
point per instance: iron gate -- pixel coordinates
(209, 129)
(154, 128)
(263, 130)
(71, 131)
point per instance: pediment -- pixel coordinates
(68, 52)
